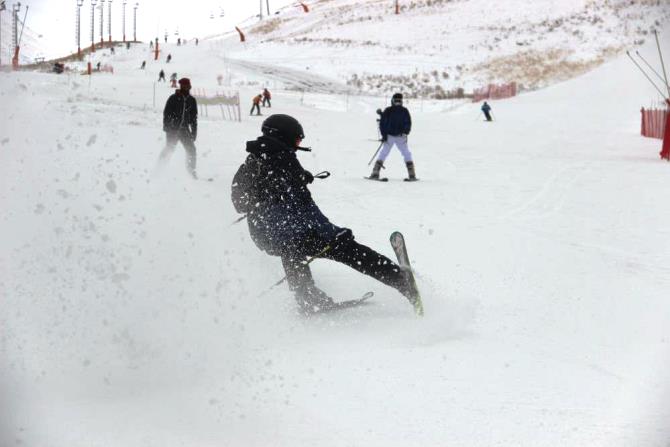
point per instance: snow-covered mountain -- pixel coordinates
(436, 46)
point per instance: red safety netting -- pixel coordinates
(495, 91)
(653, 122)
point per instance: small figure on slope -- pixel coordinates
(161, 75)
(395, 124)
(173, 80)
(267, 96)
(256, 104)
(180, 123)
(271, 187)
(486, 108)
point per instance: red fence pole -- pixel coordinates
(665, 152)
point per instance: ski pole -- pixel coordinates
(650, 67)
(660, 54)
(376, 152)
(645, 74)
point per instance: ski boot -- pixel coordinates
(411, 172)
(375, 172)
(311, 299)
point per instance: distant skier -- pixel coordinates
(197, 41)
(395, 124)
(256, 104)
(112, 51)
(271, 188)
(144, 65)
(169, 58)
(179, 42)
(173, 80)
(486, 108)
(161, 75)
(180, 123)
(267, 96)
(98, 65)
(151, 44)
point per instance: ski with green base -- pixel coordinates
(400, 249)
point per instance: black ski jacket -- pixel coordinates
(271, 188)
(395, 120)
(181, 112)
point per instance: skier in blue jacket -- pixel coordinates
(395, 125)
(271, 188)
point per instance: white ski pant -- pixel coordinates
(401, 142)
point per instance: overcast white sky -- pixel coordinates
(55, 19)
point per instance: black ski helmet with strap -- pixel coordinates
(284, 128)
(396, 99)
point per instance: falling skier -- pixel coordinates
(271, 187)
(395, 124)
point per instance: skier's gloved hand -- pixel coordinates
(307, 177)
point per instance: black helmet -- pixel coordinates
(284, 128)
(396, 99)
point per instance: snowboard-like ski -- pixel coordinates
(400, 249)
(410, 179)
(380, 179)
(343, 304)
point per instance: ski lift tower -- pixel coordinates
(2, 8)
(123, 18)
(80, 3)
(15, 31)
(93, 3)
(135, 21)
(109, 20)
(102, 22)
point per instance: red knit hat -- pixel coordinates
(185, 83)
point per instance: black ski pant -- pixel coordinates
(258, 109)
(488, 116)
(357, 256)
(186, 139)
(266, 102)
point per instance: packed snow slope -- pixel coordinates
(133, 313)
(434, 47)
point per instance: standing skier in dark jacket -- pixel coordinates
(395, 124)
(271, 187)
(486, 108)
(180, 123)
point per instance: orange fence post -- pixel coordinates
(305, 8)
(241, 34)
(15, 59)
